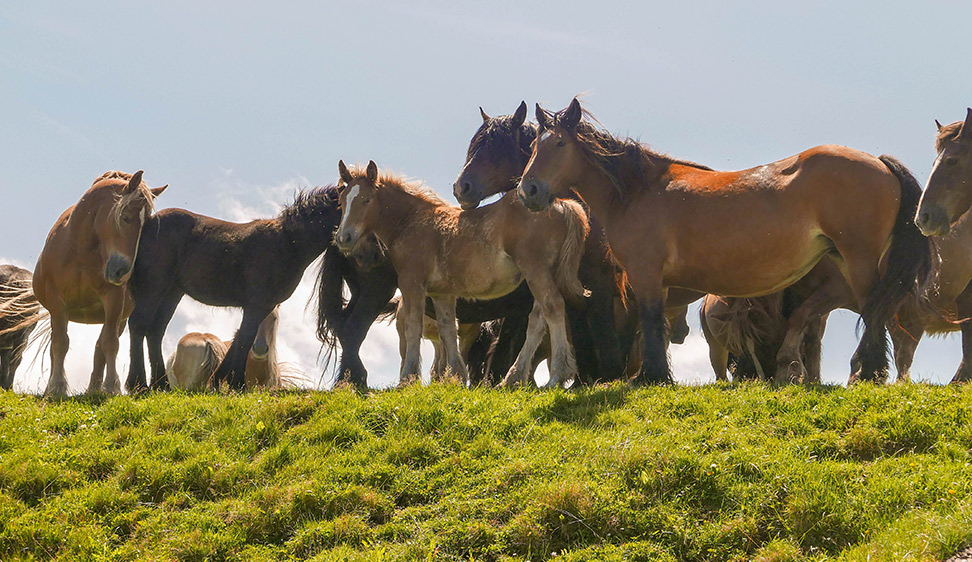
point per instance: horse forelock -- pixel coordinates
(499, 137)
(947, 134)
(141, 195)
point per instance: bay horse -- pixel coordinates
(83, 270)
(443, 252)
(674, 223)
(192, 365)
(19, 313)
(254, 265)
(948, 194)
(497, 154)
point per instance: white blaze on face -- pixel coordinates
(352, 193)
(545, 135)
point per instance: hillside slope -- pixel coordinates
(442, 473)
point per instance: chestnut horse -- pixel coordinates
(19, 313)
(445, 253)
(673, 223)
(255, 265)
(82, 272)
(192, 365)
(497, 154)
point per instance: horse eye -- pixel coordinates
(951, 160)
(561, 143)
(126, 220)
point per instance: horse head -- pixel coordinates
(496, 157)
(948, 194)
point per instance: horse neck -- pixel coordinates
(397, 210)
(310, 241)
(597, 191)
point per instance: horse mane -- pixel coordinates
(309, 202)
(624, 161)
(398, 182)
(499, 134)
(946, 134)
(122, 201)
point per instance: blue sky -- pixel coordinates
(235, 106)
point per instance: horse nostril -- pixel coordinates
(923, 218)
(533, 190)
(344, 238)
(466, 186)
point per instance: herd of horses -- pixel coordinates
(588, 259)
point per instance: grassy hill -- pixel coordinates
(714, 473)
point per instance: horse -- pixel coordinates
(192, 365)
(943, 215)
(497, 154)
(443, 252)
(674, 223)
(19, 313)
(254, 265)
(372, 281)
(83, 270)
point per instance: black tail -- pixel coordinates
(330, 301)
(910, 257)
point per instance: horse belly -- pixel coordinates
(477, 277)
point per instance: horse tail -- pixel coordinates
(568, 262)
(910, 257)
(330, 301)
(20, 312)
(211, 359)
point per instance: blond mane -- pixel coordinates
(116, 178)
(401, 183)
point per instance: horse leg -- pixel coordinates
(357, 322)
(789, 359)
(870, 360)
(813, 349)
(520, 369)
(413, 309)
(445, 317)
(108, 344)
(906, 331)
(511, 337)
(964, 308)
(654, 327)
(233, 367)
(163, 315)
(57, 384)
(98, 370)
(718, 354)
(6, 368)
(584, 341)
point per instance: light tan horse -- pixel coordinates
(441, 251)
(192, 364)
(673, 223)
(81, 273)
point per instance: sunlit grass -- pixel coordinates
(720, 473)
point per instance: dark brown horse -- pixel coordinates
(19, 312)
(673, 223)
(255, 265)
(495, 159)
(445, 253)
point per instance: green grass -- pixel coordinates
(720, 473)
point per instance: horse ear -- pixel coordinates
(483, 113)
(519, 116)
(134, 182)
(966, 130)
(156, 191)
(372, 171)
(939, 125)
(343, 171)
(572, 116)
(541, 117)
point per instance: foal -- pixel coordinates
(255, 265)
(444, 252)
(19, 313)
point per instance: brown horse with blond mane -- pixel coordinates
(82, 272)
(674, 223)
(444, 252)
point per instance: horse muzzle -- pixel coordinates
(117, 269)
(467, 194)
(260, 350)
(346, 240)
(932, 220)
(535, 194)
